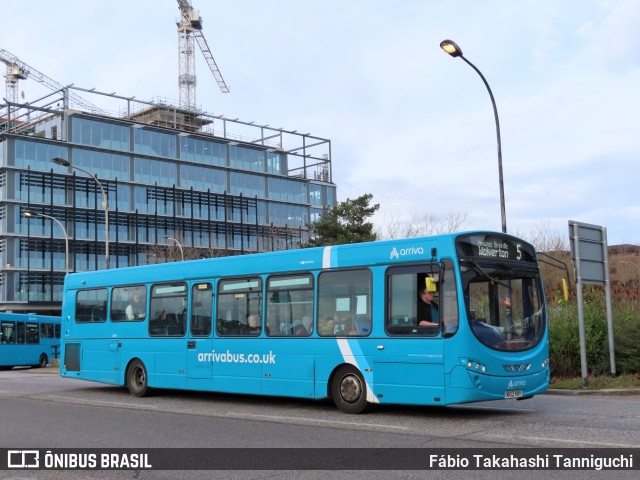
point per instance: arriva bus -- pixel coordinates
(342, 322)
(28, 339)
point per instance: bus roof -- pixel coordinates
(407, 250)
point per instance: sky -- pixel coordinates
(408, 123)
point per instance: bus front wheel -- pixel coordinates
(348, 389)
(137, 379)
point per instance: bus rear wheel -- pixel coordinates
(42, 363)
(348, 390)
(137, 379)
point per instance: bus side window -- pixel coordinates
(32, 334)
(413, 300)
(8, 332)
(91, 305)
(344, 299)
(166, 309)
(20, 333)
(201, 309)
(237, 299)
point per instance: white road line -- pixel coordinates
(559, 440)
(494, 409)
(83, 401)
(277, 418)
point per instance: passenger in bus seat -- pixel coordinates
(273, 327)
(326, 326)
(307, 323)
(299, 330)
(161, 316)
(136, 308)
(254, 324)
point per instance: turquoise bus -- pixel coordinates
(28, 339)
(340, 322)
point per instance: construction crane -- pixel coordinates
(18, 70)
(190, 29)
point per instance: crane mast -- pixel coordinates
(190, 32)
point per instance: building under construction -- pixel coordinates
(137, 182)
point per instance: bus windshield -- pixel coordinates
(502, 290)
(504, 305)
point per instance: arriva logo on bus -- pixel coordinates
(395, 253)
(517, 383)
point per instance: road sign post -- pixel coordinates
(590, 257)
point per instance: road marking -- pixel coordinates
(559, 440)
(83, 401)
(493, 409)
(277, 418)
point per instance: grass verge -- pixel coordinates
(597, 382)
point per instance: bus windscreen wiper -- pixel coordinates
(481, 270)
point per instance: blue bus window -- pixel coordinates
(201, 309)
(168, 310)
(91, 306)
(129, 303)
(32, 333)
(290, 305)
(344, 303)
(8, 332)
(238, 298)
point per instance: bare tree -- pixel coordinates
(545, 239)
(420, 225)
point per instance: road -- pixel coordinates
(42, 410)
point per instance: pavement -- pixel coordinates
(589, 391)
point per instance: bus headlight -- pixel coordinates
(474, 365)
(545, 364)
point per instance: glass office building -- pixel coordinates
(171, 178)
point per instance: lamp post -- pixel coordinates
(105, 202)
(450, 47)
(179, 246)
(29, 214)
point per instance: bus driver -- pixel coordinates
(427, 309)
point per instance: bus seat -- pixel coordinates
(362, 324)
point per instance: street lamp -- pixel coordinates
(29, 214)
(452, 48)
(105, 202)
(179, 246)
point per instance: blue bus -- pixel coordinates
(341, 322)
(28, 339)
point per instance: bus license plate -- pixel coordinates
(513, 393)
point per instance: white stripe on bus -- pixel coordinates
(349, 358)
(326, 257)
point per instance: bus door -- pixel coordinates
(409, 364)
(199, 342)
